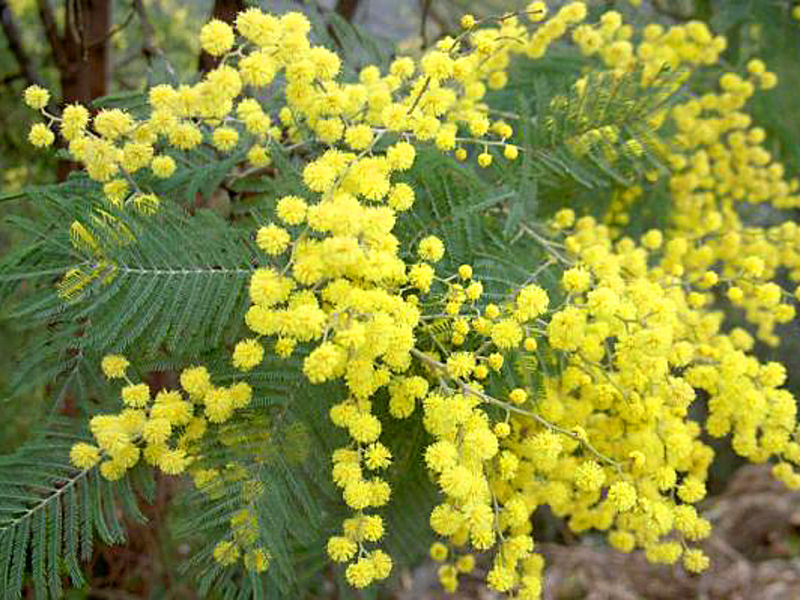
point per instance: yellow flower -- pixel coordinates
(36, 97)
(361, 573)
(41, 136)
(247, 354)
(84, 456)
(589, 476)
(622, 496)
(136, 395)
(272, 239)
(114, 366)
(291, 210)
(431, 249)
(341, 549)
(216, 37)
(163, 166)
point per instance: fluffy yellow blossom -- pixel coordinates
(136, 395)
(622, 496)
(216, 37)
(41, 136)
(341, 549)
(589, 476)
(84, 456)
(431, 248)
(114, 366)
(272, 239)
(36, 97)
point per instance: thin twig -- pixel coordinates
(14, 37)
(467, 389)
(51, 33)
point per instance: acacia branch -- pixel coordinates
(347, 9)
(148, 48)
(12, 32)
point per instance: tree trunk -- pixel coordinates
(82, 56)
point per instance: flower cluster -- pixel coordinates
(576, 397)
(161, 429)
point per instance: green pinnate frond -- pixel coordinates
(50, 511)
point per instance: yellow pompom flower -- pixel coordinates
(484, 159)
(360, 574)
(531, 302)
(73, 121)
(622, 496)
(381, 564)
(341, 549)
(247, 354)
(695, 561)
(225, 138)
(41, 136)
(401, 156)
(461, 364)
(364, 428)
(438, 552)
(156, 431)
(518, 396)
(84, 456)
(36, 97)
(377, 456)
(114, 366)
(589, 476)
(136, 395)
(510, 151)
(431, 249)
(506, 334)
(163, 166)
(536, 11)
(358, 137)
(196, 381)
(292, 210)
(216, 37)
(113, 123)
(272, 239)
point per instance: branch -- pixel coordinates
(113, 31)
(347, 9)
(11, 29)
(51, 33)
(148, 48)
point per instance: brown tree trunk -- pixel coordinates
(224, 10)
(86, 50)
(82, 55)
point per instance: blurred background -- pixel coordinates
(82, 50)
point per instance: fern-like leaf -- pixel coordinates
(49, 511)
